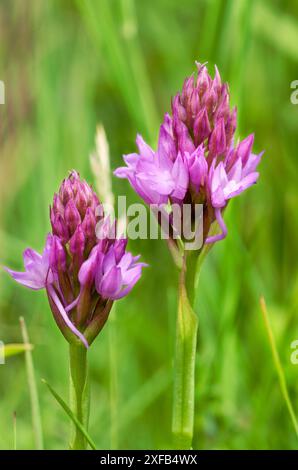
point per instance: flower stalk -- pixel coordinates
(79, 393)
(185, 357)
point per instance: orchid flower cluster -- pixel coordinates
(197, 160)
(83, 267)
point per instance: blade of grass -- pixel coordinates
(35, 408)
(14, 349)
(278, 365)
(238, 67)
(70, 414)
(14, 418)
(279, 29)
(209, 29)
(101, 26)
(225, 35)
(145, 396)
(143, 86)
(130, 76)
(155, 386)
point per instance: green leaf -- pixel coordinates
(70, 414)
(16, 348)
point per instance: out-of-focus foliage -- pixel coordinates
(68, 65)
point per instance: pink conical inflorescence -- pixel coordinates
(74, 211)
(83, 267)
(196, 160)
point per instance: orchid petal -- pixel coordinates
(223, 234)
(65, 317)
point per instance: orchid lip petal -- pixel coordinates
(223, 234)
(73, 304)
(36, 267)
(110, 284)
(64, 315)
(25, 279)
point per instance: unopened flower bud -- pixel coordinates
(57, 255)
(77, 245)
(72, 216)
(217, 141)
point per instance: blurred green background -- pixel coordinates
(68, 65)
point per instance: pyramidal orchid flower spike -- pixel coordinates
(197, 161)
(84, 268)
(83, 273)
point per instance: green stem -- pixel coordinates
(35, 407)
(113, 381)
(189, 274)
(79, 393)
(185, 355)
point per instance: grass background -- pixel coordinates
(68, 65)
